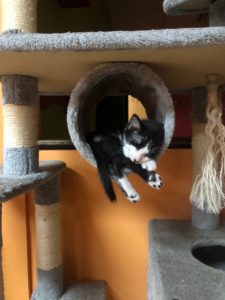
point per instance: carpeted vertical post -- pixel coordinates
(19, 15)
(20, 107)
(20, 101)
(200, 219)
(217, 13)
(20, 117)
(48, 236)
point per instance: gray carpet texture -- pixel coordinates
(50, 288)
(173, 272)
(217, 13)
(181, 7)
(49, 193)
(11, 186)
(20, 161)
(49, 285)
(216, 9)
(86, 291)
(20, 90)
(167, 51)
(114, 40)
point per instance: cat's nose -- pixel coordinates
(136, 161)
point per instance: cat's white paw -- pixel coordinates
(135, 197)
(155, 181)
(149, 165)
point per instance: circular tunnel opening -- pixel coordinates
(109, 81)
(213, 256)
(110, 98)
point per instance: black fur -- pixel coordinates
(107, 149)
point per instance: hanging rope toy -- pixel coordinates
(208, 189)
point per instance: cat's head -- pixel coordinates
(142, 139)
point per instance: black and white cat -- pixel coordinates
(135, 149)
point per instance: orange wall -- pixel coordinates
(109, 241)
(100, 240)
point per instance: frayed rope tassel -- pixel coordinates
(208, 189)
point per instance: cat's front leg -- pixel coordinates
(151, 177)
(149, 165)
(127, 188)
(154, 180)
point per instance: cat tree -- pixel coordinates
(32, 63)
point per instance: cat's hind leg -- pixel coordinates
(127, 188)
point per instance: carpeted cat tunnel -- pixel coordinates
(119, 78)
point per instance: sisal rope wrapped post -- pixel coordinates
(20, 106)
(48, 236)
(207, 193)
(19, 15)
(20, 101)
(20, 117)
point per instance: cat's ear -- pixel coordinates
(134, 124)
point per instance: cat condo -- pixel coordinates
(130, 62)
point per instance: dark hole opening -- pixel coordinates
(112, 113)
(213, 256)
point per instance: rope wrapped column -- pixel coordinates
(20, 107)
(20, 101)
(48, 237)
(19, 15)
(20, 116)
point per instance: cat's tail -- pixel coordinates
(103, 172)
(106, 181)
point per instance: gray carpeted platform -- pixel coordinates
(112, 40)
(180, 7)
(11, 186)
(173, 273)
(49, 288)
(86, 291)
(189, 53)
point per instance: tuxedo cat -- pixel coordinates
(135, 149)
